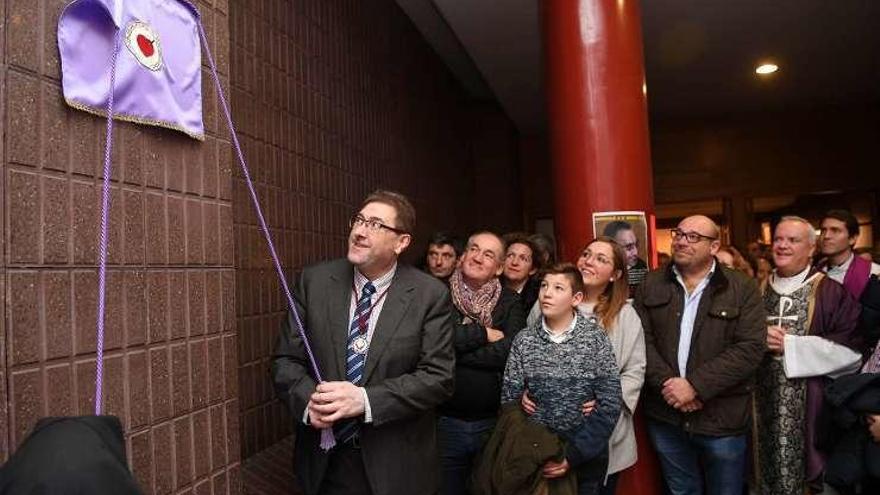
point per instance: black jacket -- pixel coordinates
(869, 321)
(479, 364)
(854, 457)
(529, 294)
(73, 455)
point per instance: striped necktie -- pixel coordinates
(354, 361)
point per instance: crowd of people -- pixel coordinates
(498, 369)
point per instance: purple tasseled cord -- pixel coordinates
(327, 439)
(102, 250)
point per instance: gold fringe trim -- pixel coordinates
(131, 118)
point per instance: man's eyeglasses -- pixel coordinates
(371, 224)
(692, 237)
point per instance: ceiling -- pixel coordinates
(700, 55)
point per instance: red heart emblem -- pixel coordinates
(145, 45)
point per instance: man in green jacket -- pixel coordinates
(704, 339)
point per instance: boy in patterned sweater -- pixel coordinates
(562, 362)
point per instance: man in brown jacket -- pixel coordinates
(704, 338)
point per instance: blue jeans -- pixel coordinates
(682, 455)
(460, 441)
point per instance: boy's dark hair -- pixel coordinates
(571, 273)
(845, 216)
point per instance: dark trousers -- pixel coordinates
(460, 442)
(590, 486)
(346, 474)
(610, 485)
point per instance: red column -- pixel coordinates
(597, 114)
(598, 122)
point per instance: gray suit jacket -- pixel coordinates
(408, 372)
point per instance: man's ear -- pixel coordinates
(577, 299)
(402, 243)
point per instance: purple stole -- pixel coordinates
(856, 278)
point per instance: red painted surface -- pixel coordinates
(597, 116)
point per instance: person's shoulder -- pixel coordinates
(660, 276)
(738, 281)
(628, 316)
(830, 288)
(590, 329)
(733, 275)
(423, 281)
(507, 300)
(656, 284)
(508, 294)
(327, 267)
(875, 269)
(528, 336)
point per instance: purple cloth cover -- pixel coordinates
(158, 72)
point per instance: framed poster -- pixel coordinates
(630, 230)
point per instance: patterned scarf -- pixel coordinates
(477, 305)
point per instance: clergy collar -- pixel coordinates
(843, 266)
(787, 285)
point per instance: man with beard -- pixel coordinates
(704, 338)
(382, 334)
(811, 334)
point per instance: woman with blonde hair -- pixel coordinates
(602, 264)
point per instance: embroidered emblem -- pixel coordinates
(143, 42)
(785, 304)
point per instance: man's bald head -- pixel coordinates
(695, 257)
(706, 225)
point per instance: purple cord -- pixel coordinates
(102, 251)
(327, 439)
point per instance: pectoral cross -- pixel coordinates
(785, 304)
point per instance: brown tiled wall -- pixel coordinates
(171, 371)
(333, 99)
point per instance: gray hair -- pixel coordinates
(810, 229)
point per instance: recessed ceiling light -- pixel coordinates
(765, 69)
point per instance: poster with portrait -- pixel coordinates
(630, 230)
